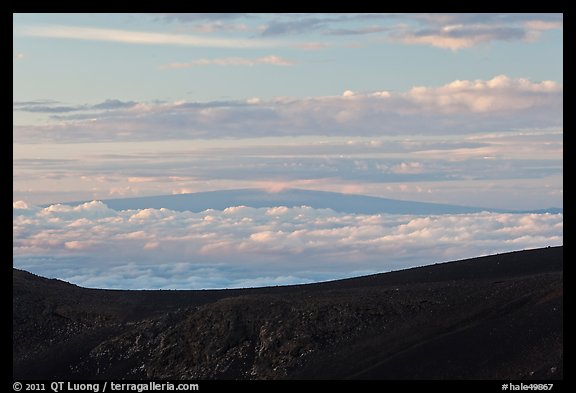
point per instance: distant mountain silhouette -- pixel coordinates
(345, 203)
(494, 317)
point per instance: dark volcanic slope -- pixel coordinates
(496, 317)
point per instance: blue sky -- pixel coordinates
(462, 109)
(89, 58)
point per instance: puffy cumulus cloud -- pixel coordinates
(93, 245)
(462, 106)
(90, 210)
(19, 205)
(497, 95)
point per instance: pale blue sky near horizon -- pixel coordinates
(461, 109)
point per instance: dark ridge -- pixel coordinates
(493, 317)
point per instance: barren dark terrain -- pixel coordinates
(495, 317)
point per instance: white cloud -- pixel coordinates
(497, 95)
(232, 61)
(137, 37)
(462, 106)
(91, 244)
(19, 205)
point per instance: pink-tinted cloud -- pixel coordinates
(462, 106)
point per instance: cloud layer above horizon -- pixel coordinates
(459, 107)
(95, 246)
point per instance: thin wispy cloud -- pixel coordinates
(311, 46)
(359, 31)
(49, 106)
(220, 26)
(460, 36)
(138, 37)
(199, 16)
(232, 61)
(446, 31)
(489, 170)
(462, 31)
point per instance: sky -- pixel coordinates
(463, 109)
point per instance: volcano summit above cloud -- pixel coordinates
(256, 198)
(232, 239)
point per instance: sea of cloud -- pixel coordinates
(93, 245)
